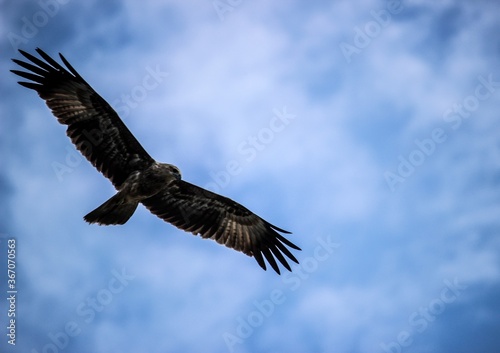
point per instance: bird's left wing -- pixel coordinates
(213, 216)
(93, 126)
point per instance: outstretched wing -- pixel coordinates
(210, 215)
(93, 126)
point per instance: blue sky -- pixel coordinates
(367, 128)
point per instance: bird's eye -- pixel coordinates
(176, 172)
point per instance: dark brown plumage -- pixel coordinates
(101, 136)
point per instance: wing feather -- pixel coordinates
(213, 216)
(92, 125)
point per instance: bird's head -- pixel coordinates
(174, 171)
(164, 172)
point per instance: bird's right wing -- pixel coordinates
(213, 216)
(93, 126)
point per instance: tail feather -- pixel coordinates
(117, 210)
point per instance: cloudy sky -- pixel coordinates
(369, 129)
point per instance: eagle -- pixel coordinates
(101, 136)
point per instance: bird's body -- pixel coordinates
(102, 137)
(139, 186)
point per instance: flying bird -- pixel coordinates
(101, 136)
